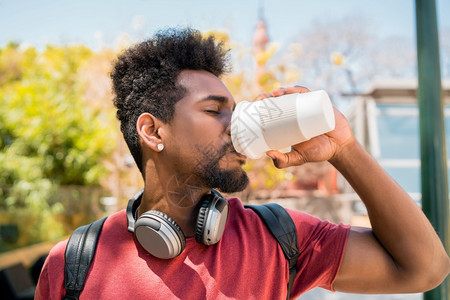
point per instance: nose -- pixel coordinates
(228, 130)
(228, 124)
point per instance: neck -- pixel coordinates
(175, 195)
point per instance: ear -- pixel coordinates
(148, 127)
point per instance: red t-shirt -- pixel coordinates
(247, 263)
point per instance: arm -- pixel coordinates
(402, 252)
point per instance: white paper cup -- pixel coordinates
(279, 122)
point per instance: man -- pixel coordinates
(175, 117)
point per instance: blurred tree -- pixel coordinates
(49, 137)
(345, 55)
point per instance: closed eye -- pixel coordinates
(216, 112)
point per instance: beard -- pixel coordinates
(226, 180)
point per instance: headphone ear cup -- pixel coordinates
(211, 219)
(201, 219)
(159, 234)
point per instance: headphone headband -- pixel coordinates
(132, 207)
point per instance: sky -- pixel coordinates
(99, 23)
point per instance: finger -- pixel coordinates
(284, 160)
(263, 96)
(279, 91)
(297, 89)
(289, 90)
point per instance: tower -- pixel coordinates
(260, 41)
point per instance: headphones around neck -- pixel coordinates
(161, 236)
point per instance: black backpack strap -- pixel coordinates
(282, 227)
(80, 251)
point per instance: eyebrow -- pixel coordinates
(220, 99)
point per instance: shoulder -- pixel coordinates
(241, 214)
(116, 221)
(51, 280)
(50, 284)
(55, 260)
(302, 220)
(309, 226)
(245, 223)
(312, 232)
(305, 223)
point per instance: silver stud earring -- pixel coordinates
(160, 147)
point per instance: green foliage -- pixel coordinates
(49, 134)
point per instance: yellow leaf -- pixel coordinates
(337, 59)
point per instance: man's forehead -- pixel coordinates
(204, 85)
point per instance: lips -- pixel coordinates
(241, 157)
(229, 151)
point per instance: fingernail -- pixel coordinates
(271, 156)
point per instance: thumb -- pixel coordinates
(284, 160)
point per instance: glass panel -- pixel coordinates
(407, 178)
(398, 131)
(399, 139)
(447, 129)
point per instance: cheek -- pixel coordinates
(198, 137)
(200, 128)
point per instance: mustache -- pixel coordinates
(215, 153)
(228, 147)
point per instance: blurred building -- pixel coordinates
(385, 120)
